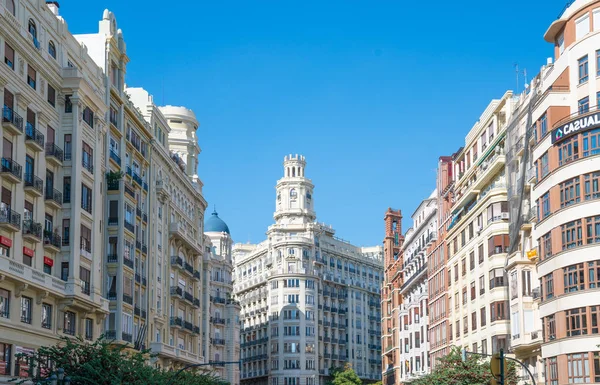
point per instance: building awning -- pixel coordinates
(491, 148)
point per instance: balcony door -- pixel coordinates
(49, 181)
(7, 148)
(9, 100)
(6, 200)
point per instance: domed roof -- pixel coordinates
(215, 224)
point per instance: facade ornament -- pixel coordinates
(21, 66)
(20, 289)
(41, 297)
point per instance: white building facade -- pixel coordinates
(414, 312)
(50, 178)
(310, 301)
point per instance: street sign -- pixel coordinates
(498, 368)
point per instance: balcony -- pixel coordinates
(177, 230)
(196, 302)
(34, 185)
(177, 262)
(161, 189)
(10, 220)
(188, 268)
(128, 299)
(129, 226)
(217, 300)
(115, 157)
(217, 321)
(127, 337)
(128, 262)
(196, 275)
(137, 179)
(54, 154)
(176, 322)
(52, 241)
(217, 341)
(188, 326)
(87, 165)
(188, 297)
(11, 171)
(144, 217)
(112, 258)
(54, 198)
(32, 231)
(11, 121)
(33, 138)
(177, 291)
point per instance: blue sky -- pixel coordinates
(371, 92)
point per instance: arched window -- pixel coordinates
(293, 193)
(10, 5)
(52, 49)
(32, 28)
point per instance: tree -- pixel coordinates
(103, 363)
(451, 370)
(344, 376)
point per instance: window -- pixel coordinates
(550, 328)
(583, 105)
(499, 311)
(473, 294)
(543, 125)
(548, 286)
(594, 274)
(480, 253)
(84, 276)
(463, 264)
(572, 235)
(31, 76)
(482, 284)
(66, 232)
(526, 283)
(568, 151)
(574, 277)
(86, 239)
(68, 147)
(89, 329)
(576, 322)
(591, 142)
(474, 321)
(545, 170)
(32, 29)
(4, 304)
(591, 185)
(546, 246)
(46, 316)
(464, 296)
(26, 304)
(69, 323)
(9, 55)
(88, 117)
(64, 271)
(497, 211)
(552, 371)
(498, 244)
(87, 159)
(51, 95)
(10, 6)
(578, 368)
(68, 104)
(472, 260)
(582, 26)
(592, 229)
(583, 69)
(86, 198)
(570, 192)
(52, 49)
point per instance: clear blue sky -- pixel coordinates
(371, 92)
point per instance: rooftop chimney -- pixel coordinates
(53, 5)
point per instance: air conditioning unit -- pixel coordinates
(504, 216)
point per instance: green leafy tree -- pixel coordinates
(451, 370)
(103, 363)
(345, 376)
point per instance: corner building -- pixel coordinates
(477, 236)
(566, 188)
(51, 184)
(309, 300)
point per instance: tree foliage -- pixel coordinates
(344, 376)
(103, 363)
(451, 370)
